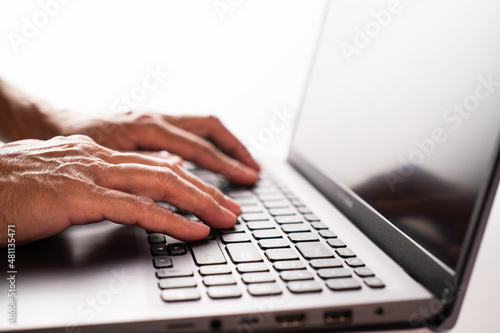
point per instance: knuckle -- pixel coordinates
(204, 202)
(205, 147)
(174, 167)
(167, 176)
(215, 193)
(81, 137)
(214, 120)
(143, 117)
(145, 204)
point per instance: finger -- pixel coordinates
(152, 160)
(198, 150)
(163, 184)
(130, 209)
(164, 155)
(212, 128)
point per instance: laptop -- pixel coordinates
(373, 221)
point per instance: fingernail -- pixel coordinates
(254, 164)
(230, 216)
(257, 165)
(201, 227)
(233, 205)
(251, 173)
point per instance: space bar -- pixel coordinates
(207, 253)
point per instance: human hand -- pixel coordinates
(47, 186)
(203, 140)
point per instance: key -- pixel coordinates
(273, 243)
(304, 210)
(296, 202)
(286, 219)
(176, 249)
(343, 284)
(215, 270)
(281, 254)
(224, 292)
(264, 289)
(281, 211)
(156, 238)
(257, 277)
(290, 195)
(325, 263)
(162, 262)
(260, 225)
(264, 191)
(178, 282)
(296, 275)
(236, 229)
(345, 253)
(251, 209)
(254, 217)
(296, 227)
(303, 237)
(242, 253)
(311, 218)
(218, 280)
(288, 265)
(169, 273)
(177, 295)
(319, 225)
(266, 233)
(191, 217)
(167, 206)
(235, 238)
(355, 262)
(327, 234)
(252, 267)
(304, 286)
(336, 243)
(247, 201)
(159, 249)
(314, 250)
(374, 282)
(276, 204)
(270, 197)
(240, 194)
(364, 272)
(207, 253)
(333, 273)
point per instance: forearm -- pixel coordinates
(22, 117)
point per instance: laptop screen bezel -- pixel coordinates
(446, 284)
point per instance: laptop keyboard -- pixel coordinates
(278, 245)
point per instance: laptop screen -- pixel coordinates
(403, 109)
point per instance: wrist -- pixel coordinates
(22, 117)
(40, 122)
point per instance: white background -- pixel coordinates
(240, 62)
